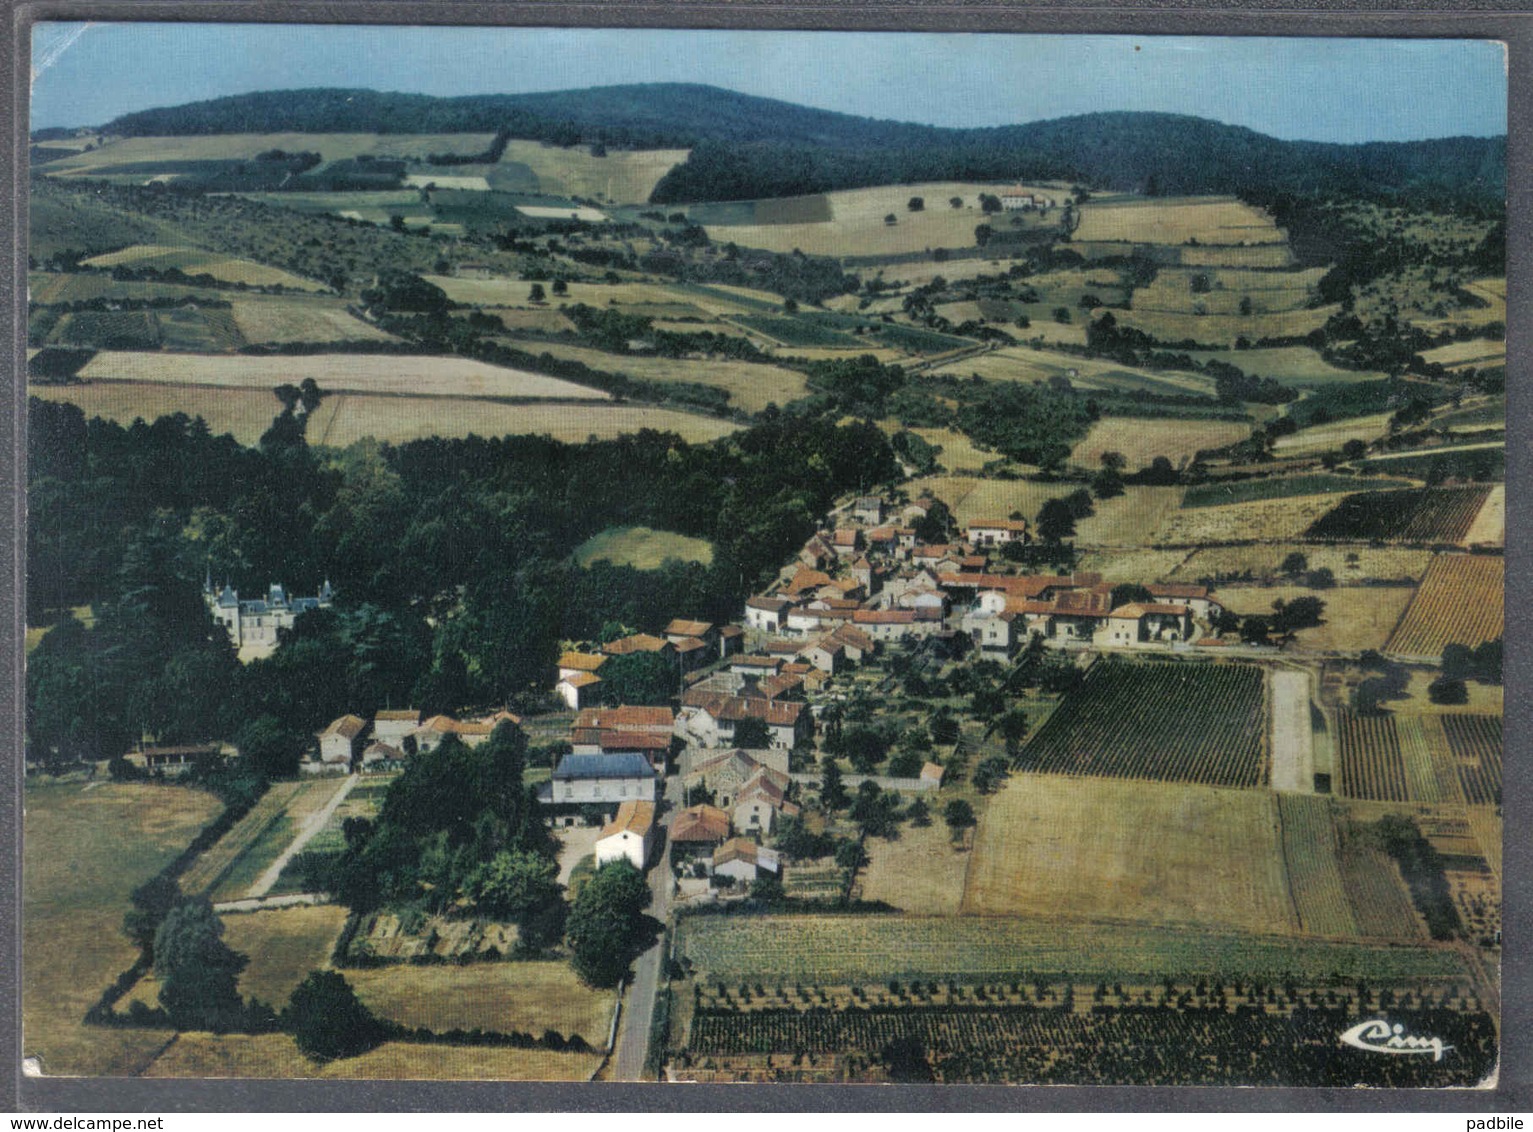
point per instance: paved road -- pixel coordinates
(639, 1005)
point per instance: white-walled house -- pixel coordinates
(629, 836)
(742, 860)
(338, 742)
(766, 613)
(581, 780)
(391, 727)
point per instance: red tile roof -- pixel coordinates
(683, 628)
(700, 823)
(627, 716)
(347, 727)
(1136, 610)
(633, 817)
(639, 642)
(582, 661)
(885, 616)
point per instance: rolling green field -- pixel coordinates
(1298, 366)
(642, 548)
(1282, 487)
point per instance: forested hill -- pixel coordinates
(755, 147)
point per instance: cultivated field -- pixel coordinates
(1489, 526)
(920, 872)
(642, 548)
(1387, 758)
(842, 949)
(275, 1055)
(1459, 602)
(1348, 564)
(283, 945)
(528, 996)
(1276, 519)
(1434, 515)
(1139, 566)
(243, 147)
(1127, 520)
(1381, 905)
(1226, 328)
(1195, 723)
(1311, 857)
(84, 849)
(275, 321)
(47, 287)
(1355, 617)
(1190, 291)
(1292, 365)
(856, 226)
(194, 261)
(1140, 440)
(622, 177)
(1020, 363)
(1104, 848)
(1475, 744)
(1475, 352)
(1280, 487)
(751, 386)
(1200, 220)
(1331, 435)
(345, 419)
(394, 374)
(633, 298)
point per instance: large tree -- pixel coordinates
(197, 971)
(328, 1021)
(605, 923)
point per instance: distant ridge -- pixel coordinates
(745, 147)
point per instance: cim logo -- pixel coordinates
(1378, 1036)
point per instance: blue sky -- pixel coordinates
(1344, 90)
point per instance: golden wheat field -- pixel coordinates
(621, 177)
(1204, 220)
(242, 147)
(1276, 519)
(410, 375)
(1139, 851)
(195, 261)
(1140, 440)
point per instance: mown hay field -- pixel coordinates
(46, 287)
(1291, 365)
(1104, 848)
(283, 945)
(1140, 440)
(194, 261)
(1127, 520)
(1282, 487)
(642, 548)
(1167, 326)
(410, 375)
(857, 226)
(1460, 601)
(346, 418)
(1168, 220)
(750, 385)
(920, 872)
(243, 147)
(1332, 435)
(1019, 363)
(1371, 563)
(1266, 519)
(1190, 290)
(84, 849)
(275, 321)
(1355, 617)
(1139, 566)
(1489, 526)
(528, 996)
(622, 177)
(276, 1055)
(1476, 352)
(850, 949)
(515, 293)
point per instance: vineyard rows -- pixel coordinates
(1435, 515)
(1476, 743)
(1154, 1045)
(1314, 875)
(1380, 903)
(1421, 782)
(837, 949)
(1372, 769)
(1167, 722)
(1460, 601)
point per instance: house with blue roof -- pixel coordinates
(601, 780)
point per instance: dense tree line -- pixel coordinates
(451, 559)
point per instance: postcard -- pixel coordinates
(580, 554)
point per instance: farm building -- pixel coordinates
(338, 743)
(639, 642)
(725, 773)
(681, 629)
(708, 719)
(171, 761)
(699, 827)
(588, 735)
(868, 509)
(731, 640)
(471, 732)
(629, 836)
(846, 542)
(997, 532)
(759, 802)
(743, 860)
(1136, 624)
(757, 666)
(766, 613)
(932, 773)
(578, 679)
(600, 780)
(1197, 598)
(393, 726)
(379, 755)
(653, 747)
